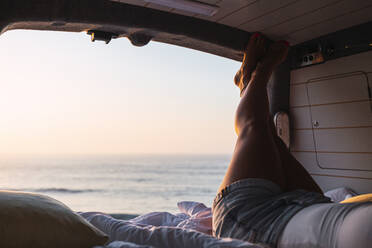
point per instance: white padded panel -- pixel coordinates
(301, 118)
(342, 89)
(328, 179)
(298, 95)
(361, 186)
(308, 160)
(356, 114)
(344, 140)
(342, 155)
(337, 165)
(333, 67)
(360, 161)
(302, 140)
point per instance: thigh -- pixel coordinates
(255, 156)
(296, 175)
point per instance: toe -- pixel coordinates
(260, 40)
(286, 43)
(237, 78)
(262, 43)
(280, 46)
(253, 40)
(277, 53)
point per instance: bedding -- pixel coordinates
(193, 215)
(121, 244)
(188, 228)
(340, 194)
(157, 236)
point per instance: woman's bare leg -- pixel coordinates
(296, 175)
(256, 154)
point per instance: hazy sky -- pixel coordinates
(60, 93)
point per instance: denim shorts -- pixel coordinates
(257, 210)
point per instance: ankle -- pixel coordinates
(261, 75)
(265, 67)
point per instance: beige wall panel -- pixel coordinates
(357, 142)
(305, 21)
(351, 88)
(346, 161)
(298, 95)
(345, 21)
(361, 186)
(253, 11)
(343, 140)
(355, 114)
(300, 118)
(310, 162)
(285, 14)
(358, 62)
(302, 140)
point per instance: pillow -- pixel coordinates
(359, 198)
(340, 194)
(36, 221)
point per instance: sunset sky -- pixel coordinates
(62, 94)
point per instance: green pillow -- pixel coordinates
(36, 221)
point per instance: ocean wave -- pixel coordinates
(58, 190)
(64, 190)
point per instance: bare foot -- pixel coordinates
(276, 55)
(253, 53)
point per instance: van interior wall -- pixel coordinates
(331, 129)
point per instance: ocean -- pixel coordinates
(118, 184)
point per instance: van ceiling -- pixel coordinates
(224, 34)
(293, 20)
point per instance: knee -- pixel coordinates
(251, 126)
